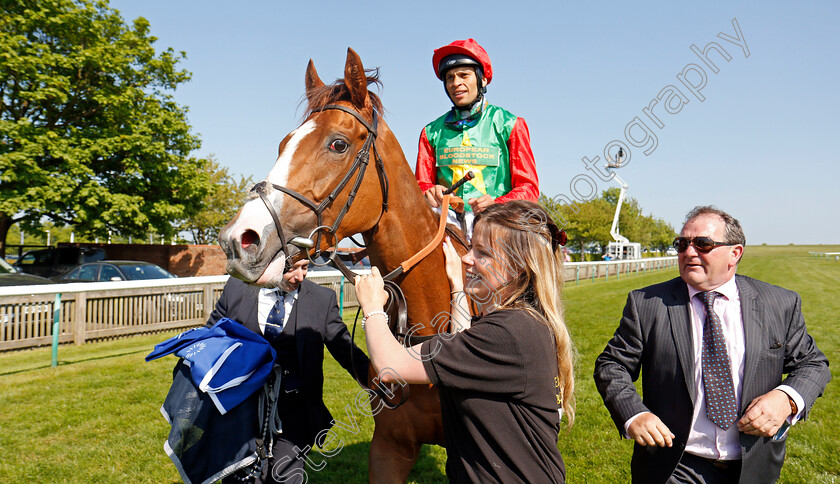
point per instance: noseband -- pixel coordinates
(359, 166)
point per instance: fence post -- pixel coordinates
(341, 297)
(56, 329)
(80, 319)
(207, 301)
(577, 275)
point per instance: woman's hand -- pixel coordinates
(370, 291)
(454, 271)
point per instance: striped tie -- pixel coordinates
(274, 321)
(721, 407)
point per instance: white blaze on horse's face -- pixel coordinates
(252, 227)
(279, 174)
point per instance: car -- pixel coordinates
(9, 276)
(114, 270)
(58, 260)
(671, 251)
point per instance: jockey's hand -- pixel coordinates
(434, 195)
(370, 291)
(479, 204)
(454, 271)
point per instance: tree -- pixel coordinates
(220, 203)
(89, 133)
(585, 223)
(589, 222)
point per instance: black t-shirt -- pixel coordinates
(499, 400)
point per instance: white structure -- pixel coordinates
(621, 248)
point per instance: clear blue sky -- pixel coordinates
(762, 145)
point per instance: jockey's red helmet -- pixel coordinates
(462, 53)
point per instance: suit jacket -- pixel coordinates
(654, 338)
(317, 323)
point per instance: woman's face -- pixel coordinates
(486, 270)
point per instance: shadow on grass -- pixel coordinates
(72, 362)
(350, 464)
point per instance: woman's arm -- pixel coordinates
(459, 306)
(384, 350)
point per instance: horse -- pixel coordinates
(321, 190)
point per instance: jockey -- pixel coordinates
(474, 136)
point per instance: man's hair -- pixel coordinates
(732, 231)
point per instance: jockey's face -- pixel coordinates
(462, 86)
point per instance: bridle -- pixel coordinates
(359, 166)
(397, 310)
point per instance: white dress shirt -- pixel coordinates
(707, 439)
(266, 300)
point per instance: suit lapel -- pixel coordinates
(299, 314)
(678, 312)
(753, 330)
(249, 303)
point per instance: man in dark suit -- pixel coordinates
(298, 322)
(715, 406)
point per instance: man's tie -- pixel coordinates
(721, 407)
(274, 321)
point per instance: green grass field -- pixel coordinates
(95, 417)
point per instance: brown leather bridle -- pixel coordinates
(359, 166)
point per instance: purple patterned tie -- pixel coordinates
(721, 407)
(274, 321)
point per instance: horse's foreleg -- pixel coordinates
(390, 461)
(400, 433)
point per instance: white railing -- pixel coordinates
(577, 271)
(826, 255)
(88, 311)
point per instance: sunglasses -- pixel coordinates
(702, 244)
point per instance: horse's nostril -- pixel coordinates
(249, 237)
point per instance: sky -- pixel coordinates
(753, 138)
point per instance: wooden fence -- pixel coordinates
(90, 311)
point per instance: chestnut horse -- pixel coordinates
(318, 180)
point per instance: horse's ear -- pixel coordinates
(356, 80)
(313, 82)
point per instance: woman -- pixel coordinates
(503, 378)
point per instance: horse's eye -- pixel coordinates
(339, 146)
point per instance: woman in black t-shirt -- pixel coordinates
(506, 376)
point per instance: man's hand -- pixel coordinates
(434, 195)
(766, 414)
(647, 429)
(479, 204)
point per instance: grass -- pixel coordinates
(95, 417)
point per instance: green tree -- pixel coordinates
(89, 133)
(589, 222)
(585, 223)
(221, 203)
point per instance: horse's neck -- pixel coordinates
(407, 226)
(405, 229)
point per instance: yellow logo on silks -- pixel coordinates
(464, 158)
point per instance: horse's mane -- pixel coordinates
(338, 91)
